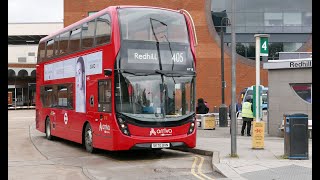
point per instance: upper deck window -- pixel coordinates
(50, 48)
(88, 29)
(147, 24)
(75, 37)
(103, 30)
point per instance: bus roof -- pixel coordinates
(99, 13)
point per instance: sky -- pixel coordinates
(24, 11)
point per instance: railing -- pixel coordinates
(268, 29)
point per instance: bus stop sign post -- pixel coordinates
(257, 103)
(258, 126)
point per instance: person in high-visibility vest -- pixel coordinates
(247, 115)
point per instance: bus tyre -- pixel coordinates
(88, 140)
(48, 129)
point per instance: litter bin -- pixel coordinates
(223, 116)
(208, 121)
(296, 136)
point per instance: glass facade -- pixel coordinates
(287, 18)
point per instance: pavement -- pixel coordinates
(265, 163)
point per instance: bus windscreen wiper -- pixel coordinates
(136, 73)
(175, 73)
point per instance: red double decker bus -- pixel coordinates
(123, 78)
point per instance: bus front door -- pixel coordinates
(103, 115)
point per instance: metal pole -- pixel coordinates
(233, 87)
(223, 121)
(257, 78)
(222, 66)
(28, 100)
(22, 98)
(15, 93)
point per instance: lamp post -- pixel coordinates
(233, 82)
(223, 107)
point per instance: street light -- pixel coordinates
(223, 107)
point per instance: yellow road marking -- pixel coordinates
(200, 167)
(193, 168)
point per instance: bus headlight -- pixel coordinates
(192, 126)
(123, 126)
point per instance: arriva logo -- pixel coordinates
(152, 132)
(161, 132)
(104, 127)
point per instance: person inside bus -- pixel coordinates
(80, 86)
(247, 115)
(201, 107)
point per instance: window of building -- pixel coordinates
(303, 90)
(292, 19)
(104, 96)
(103, 30)
(273, 19)
(22, 59)
(31, 54)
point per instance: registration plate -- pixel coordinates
(160, 145)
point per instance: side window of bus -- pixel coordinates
(63, 42)
(104, 96)
(103, 30)
(50, 48)
(70, 96)
(43, 96)
(88, 29)
(48, 96)
(75, 36)
(54, 102)
(62, 96)
(41, 52)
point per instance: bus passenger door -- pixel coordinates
(104, 111)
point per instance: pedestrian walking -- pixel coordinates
(247, 115)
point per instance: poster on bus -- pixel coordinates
(78, 67)
(80, 79)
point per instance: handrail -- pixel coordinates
(193, 27)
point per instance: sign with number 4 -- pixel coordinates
(263, 46)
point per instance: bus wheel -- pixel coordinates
(48, 129)
(88, 139)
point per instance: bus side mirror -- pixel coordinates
(107, 72)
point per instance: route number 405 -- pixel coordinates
(177, 57)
